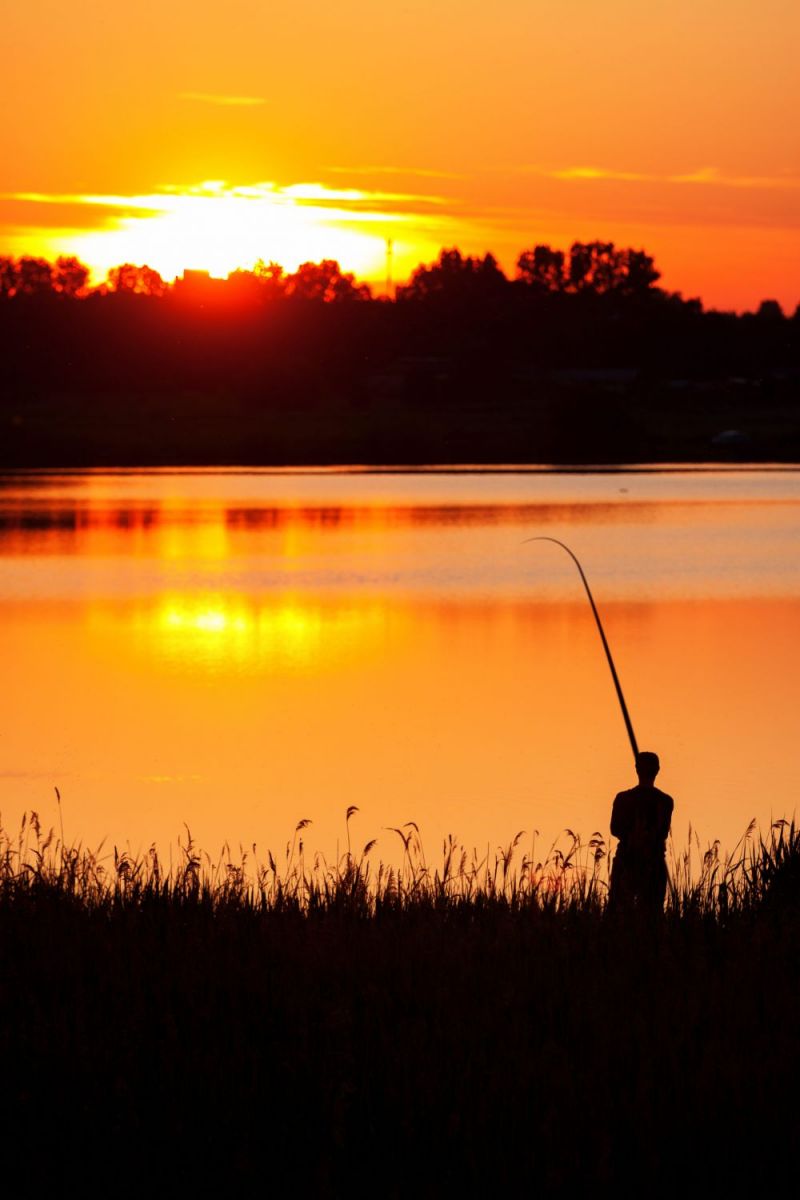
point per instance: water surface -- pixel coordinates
(237, 650)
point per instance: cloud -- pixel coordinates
(710, 175)
(78, 198)
(358, 201)
(224, 101)
(706, 176)
(593, 173)
(319, 193)
(43, 210)
(28, 211)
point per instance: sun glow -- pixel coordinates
(286, 633)
(216, 227)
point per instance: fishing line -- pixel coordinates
(601, 631)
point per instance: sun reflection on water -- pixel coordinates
(218, 632)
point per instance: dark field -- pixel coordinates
(467, 368)
(341, 1030)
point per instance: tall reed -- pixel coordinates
(572, 876)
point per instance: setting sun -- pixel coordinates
(431, 125)
(219, 228)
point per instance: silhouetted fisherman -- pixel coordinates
(641, 819)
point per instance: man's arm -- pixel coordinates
(619, 817)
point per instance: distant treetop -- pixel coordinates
(595, 271)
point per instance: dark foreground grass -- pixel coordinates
(340, 1030)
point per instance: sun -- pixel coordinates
(218, 228)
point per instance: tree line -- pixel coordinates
(578, 355)
(595, 269)
(29, 276)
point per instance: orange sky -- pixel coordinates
(185, 133)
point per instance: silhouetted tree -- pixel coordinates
(263, 284)
(70, 276)
(142, 281)
(455, 276)
(770, 310)
(34, 277)
(542, 269)
(8, 276)
(591, 266)
(638, 272)
(599, 268)
(325, 282)
(272, 278)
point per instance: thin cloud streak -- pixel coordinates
(318, 193)
(224, 101)
(708, 176)
(354, 200)
(138, 203)
(593, 173)
(510, 217)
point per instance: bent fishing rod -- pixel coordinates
(603, 639)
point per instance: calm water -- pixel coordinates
(240, 650)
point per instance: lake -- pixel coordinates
(239, 650)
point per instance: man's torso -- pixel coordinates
(640, 819)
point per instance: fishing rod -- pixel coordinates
(601, 631)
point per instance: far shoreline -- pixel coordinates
(751, 467)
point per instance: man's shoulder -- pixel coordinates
(638, 792)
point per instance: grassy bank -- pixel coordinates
(343, 1028)
(462, 420)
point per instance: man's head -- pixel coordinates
(647, 766)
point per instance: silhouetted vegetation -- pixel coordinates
(340, 1028)
(581, 357)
